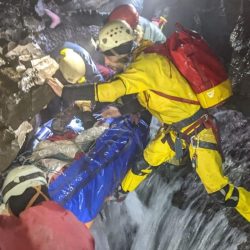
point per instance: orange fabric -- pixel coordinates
(89, 224)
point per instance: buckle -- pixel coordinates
(193, 141)
(206, 117)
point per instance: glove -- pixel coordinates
(111, 111)
(83, 105)
(131, 181)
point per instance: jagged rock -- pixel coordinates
(22, 95)
(34, 24)
(2, 62)
(240, 62)
(21, 132)
(25, 52)
(10, 74)
(11, 143)
(23, 106)
(41, 69)
(8, 149)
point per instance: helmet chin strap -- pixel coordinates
(124, 55)
(116, 54)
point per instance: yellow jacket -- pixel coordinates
(152, 72)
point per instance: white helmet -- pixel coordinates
(114, 34)
(21, 178)
(72, 66)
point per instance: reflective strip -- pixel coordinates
(233, 194)
(235, 198)
(216, 95)
(223, 192)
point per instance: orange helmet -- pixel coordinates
(126, 12)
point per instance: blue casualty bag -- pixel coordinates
(85, 185)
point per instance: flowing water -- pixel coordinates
(171, 210)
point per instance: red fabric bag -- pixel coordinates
(44, 227)
(198, 64)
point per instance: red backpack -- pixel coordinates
(198, 64)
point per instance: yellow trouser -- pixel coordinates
(208, 167)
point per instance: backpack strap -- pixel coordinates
(176, 98)
(181, 28)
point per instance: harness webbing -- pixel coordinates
(187, 121)
(204, 144)
(199, 121)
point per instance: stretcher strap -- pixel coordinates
(36, 195)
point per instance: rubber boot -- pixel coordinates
(132, 181)
(243, 206)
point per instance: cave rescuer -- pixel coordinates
(77, 67)
(186, 124)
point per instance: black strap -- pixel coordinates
(188, 121)
(139, 166)
(204, 144)
(169, 140)
(234, 199)
(75, 92)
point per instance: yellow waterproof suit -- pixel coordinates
(147, 74)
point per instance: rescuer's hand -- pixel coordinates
(56, 85)
(83, 105)
(111, 111)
